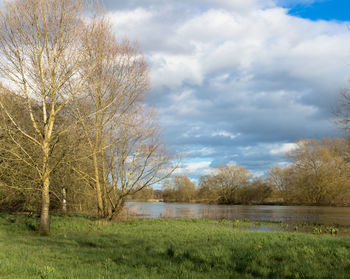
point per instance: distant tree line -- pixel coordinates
(318, 174)
(231, 184)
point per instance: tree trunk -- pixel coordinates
(100, 207)
(45, 205)
(64, 200)
(107, 208)
(45, 194)
(117, 209)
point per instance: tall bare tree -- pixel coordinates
(42, 52)
(119, 80)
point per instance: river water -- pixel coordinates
(289, 214)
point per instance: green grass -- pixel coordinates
(79, 247)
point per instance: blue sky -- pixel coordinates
(240, 81)
(322, 9)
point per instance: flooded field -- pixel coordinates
(285, 214)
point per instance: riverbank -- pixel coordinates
(80, 247)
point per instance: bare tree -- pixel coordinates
(119, 79)
(229, 179)
(179, 189)
(318, 173)
(277, 178)
(225, 181)
(20, 183)
(135, 159)
(123, 140)
(42, 52)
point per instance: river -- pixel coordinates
(288, 214)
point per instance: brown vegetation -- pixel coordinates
(319, 173)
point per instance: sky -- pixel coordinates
(239, 81)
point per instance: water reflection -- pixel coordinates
(298, 214)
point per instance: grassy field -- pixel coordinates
(79, 247)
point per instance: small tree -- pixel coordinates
(225, 181)
(208, 189)
(229, 179)
(179, 189)
(255, 192)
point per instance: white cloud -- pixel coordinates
(225, 134)
(283, 148)
(215, 40)
(239, 5)
(128, 19)
(173, 70)
(194, 168)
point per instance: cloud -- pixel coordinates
(243, 79)
(225, 134)
(237, 5)
(283, 148)
(173, 70)
(194, 168)
(128, 19)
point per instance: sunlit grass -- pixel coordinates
(80, 247)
